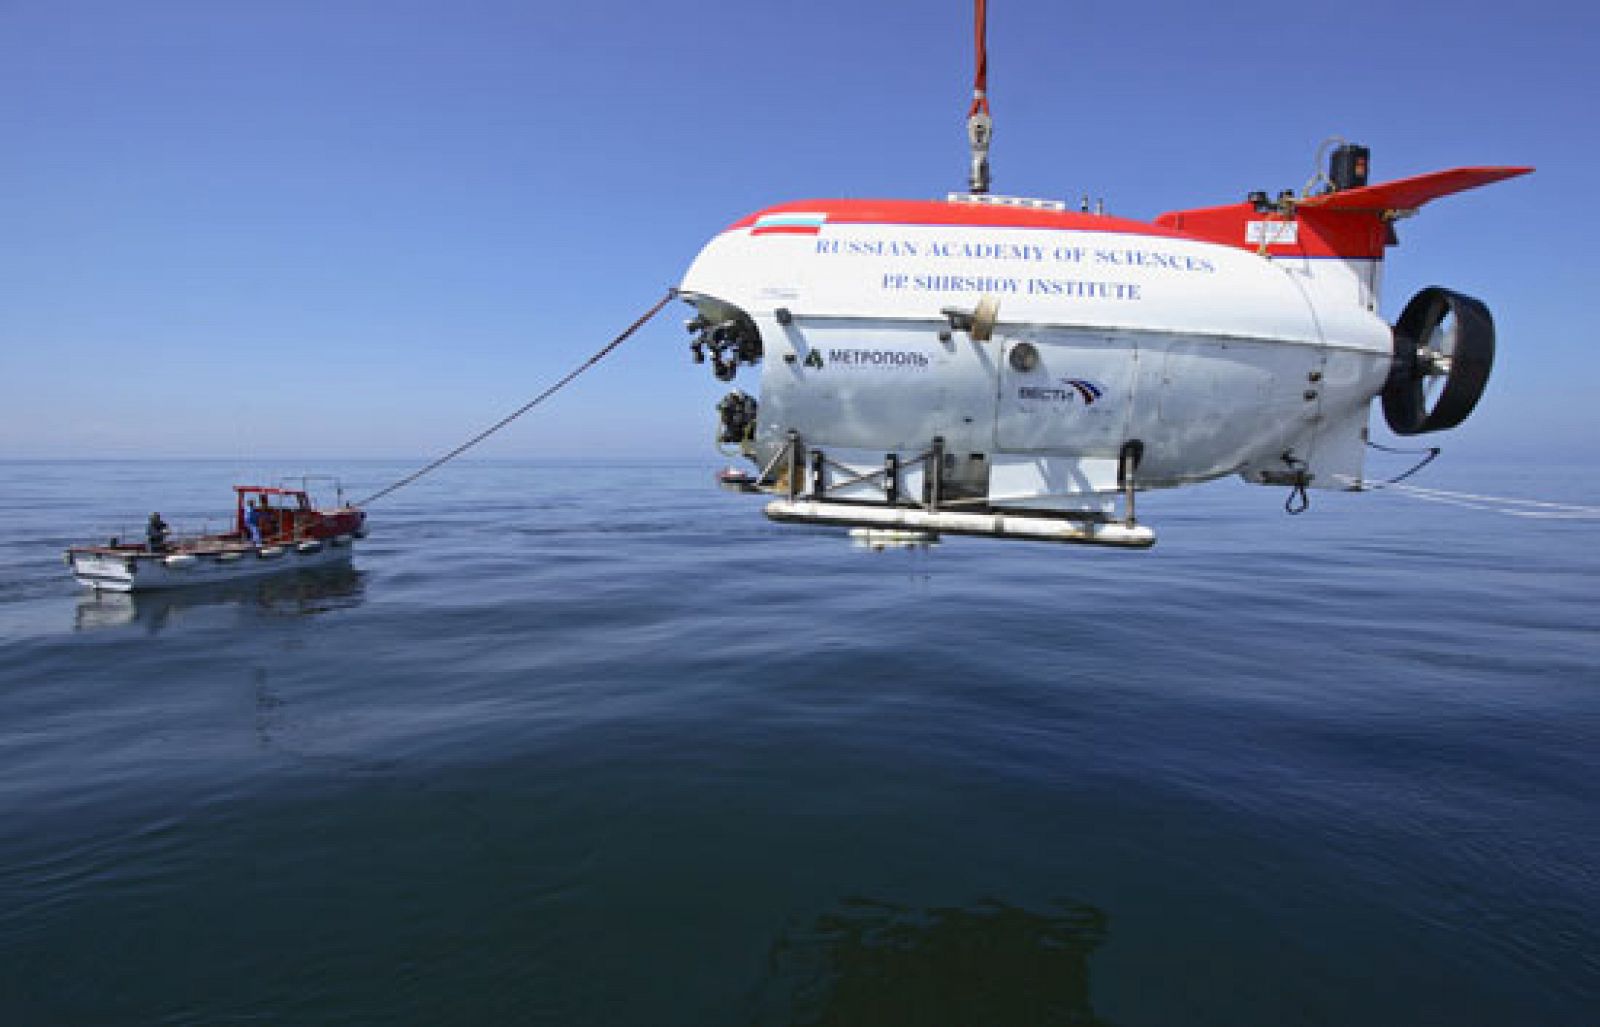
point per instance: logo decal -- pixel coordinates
(852, 359)
(1069, 390)
(1087, 389)
(878, 358)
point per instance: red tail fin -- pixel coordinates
(1352, 223)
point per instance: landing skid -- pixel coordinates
(992, 524)
(809, 495)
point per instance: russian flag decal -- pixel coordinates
(793, 222)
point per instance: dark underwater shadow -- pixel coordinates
(296, 594)
(991, 963)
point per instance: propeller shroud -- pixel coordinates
(1443, 351)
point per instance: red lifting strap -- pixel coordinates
(980, 82)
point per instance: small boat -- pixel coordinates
(737, 479)
(290, 533)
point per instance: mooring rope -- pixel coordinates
(1429, 455)
(535, 401)
(1511, 505)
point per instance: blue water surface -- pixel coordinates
(599, 744)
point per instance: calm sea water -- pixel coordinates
(600, 745)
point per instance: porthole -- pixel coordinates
(1024, 357)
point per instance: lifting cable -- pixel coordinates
(980, 80)
(535, 401)
(980, 127)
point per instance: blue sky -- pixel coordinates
(276, 231)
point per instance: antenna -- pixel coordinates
(980, 127)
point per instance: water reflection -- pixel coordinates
(871, 962)
(299, 594)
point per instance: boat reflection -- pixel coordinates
(990, 963)
(303, 593)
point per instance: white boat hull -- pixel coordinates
(129, 571)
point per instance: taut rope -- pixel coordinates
(535, 401)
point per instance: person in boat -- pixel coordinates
(155, 533)
(252, 520)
